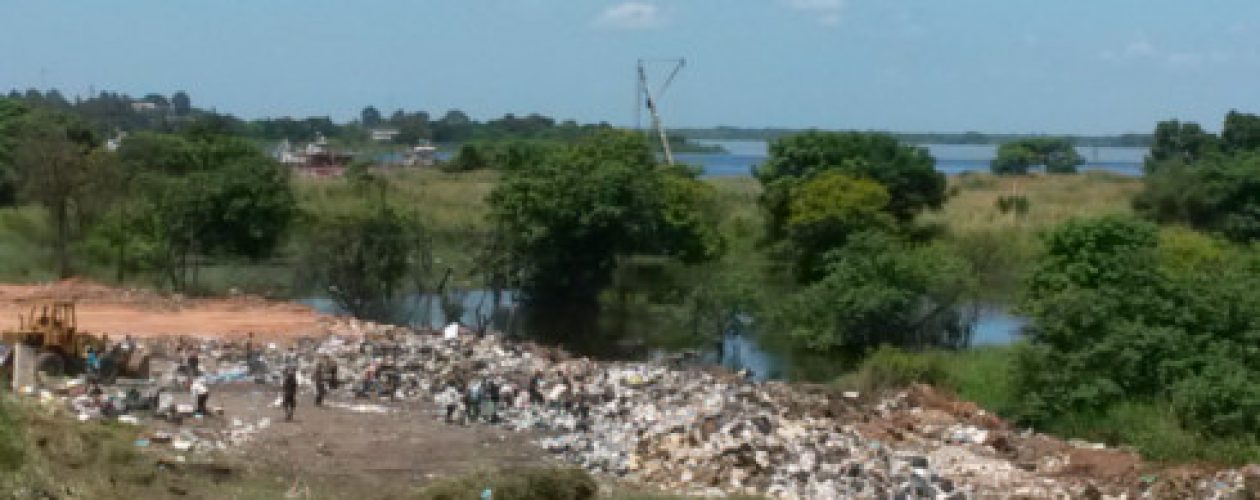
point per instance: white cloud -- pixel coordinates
(826, 11)
(631, 16)
(1143, 50)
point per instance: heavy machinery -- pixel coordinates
(52, 329)
(651, 101)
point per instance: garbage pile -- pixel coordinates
(709, 432)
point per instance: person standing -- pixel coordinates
(535, 388)
(325, 377)
(289, 393)
(93, 364)
(201, 391)
(194, 364)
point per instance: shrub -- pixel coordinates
(516, 484)
(892, 368)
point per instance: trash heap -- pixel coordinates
(709, 432)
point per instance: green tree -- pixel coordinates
(878, 290)
(1182, 142)
(566, 221)
(57, 169)
(1219, 193)
(1055, 154)
(366, 259)
(1122, 314)
(826, 210)
(181, 104)
(10, 114)
(908, 173)
(370, 117)
(203, 194)
(468, 158)
(1241, 132)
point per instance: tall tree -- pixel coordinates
(10, 113)
(566, 221)
(204, 193)
(181, 103)
(1184, 142)
(370, 117)
(908, 173)
(1241, 132)
(55, 168)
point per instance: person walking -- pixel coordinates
(289, 398)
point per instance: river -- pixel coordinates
(952, 159)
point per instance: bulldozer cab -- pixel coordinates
(56, 321)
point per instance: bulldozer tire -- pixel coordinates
(109, 370)
(137, 366)
(50, 363)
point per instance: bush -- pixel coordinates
(880, 290)
(892, 368)
(516, 484)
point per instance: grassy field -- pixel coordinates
(451, 206)
(1002, 246)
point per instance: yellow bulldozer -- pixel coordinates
(52, 330)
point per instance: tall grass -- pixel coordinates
(1002, 246)
(24, 245)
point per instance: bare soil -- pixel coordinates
(140, 313)
(375, 455)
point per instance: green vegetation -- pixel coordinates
(847, 247)
(111, 112)
(1206, 182)
(517, 484)
(365, 259)
(841, 207)
(1001, 247)
(43, 456)
(1055, 155)
(880, 291)
(566, 221)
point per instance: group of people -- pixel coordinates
(482, 399)
(325, 378)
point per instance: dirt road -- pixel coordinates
(118, 312)
(350, 443)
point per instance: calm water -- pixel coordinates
(951, 159)
(741, 348)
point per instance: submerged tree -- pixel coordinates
(877, 290)
(1055, 154)
(566, 221)
(366, 260)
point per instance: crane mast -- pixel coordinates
(650, 100)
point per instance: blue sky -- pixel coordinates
(1067, 66)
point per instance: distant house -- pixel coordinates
(143, 106)
(424, 155)
(116, 141)
(384, 134)
(315, 159)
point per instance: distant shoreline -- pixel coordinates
(918, 138)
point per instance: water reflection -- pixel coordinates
(614, 333)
